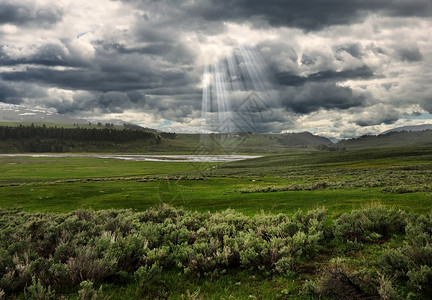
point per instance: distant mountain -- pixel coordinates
(25, 114)
(388, 140)
(295, 139)
(410, 128)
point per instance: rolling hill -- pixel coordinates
(410, 128)
(389, 140)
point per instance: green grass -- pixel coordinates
(354, 178)
(233, 285)
(213, 194)
(28, 169)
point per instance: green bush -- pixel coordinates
(40, 252)
(107, 246)
(87, 292)
(37, 291)
(371, 224)
(411, 264)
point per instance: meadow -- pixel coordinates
(340, 181)
(350, 216)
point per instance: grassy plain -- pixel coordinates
(340, 181)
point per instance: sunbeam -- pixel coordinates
(228, 84)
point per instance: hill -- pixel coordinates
(410, 128)
(389, 140)
(303, 139)
(58, 139)
(242, 142)
(134, 139)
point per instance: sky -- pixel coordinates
(338, 68)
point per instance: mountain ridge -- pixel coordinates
(389, 140)
(409, 128)
(21, 113)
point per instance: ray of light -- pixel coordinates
(230, 82)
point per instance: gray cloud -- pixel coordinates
(107, 103)
(136, 97)
(25, 14)
(47, 55)
(112, 79)
(378, 115)
(355, 50)
(410, 54)
(81, 79)
(16, 92)
(114, 68)
(317, 95)
(307, 15)
(9, 95)
(152, 62)
(427, 105)
(307, 60)
(286, 78)
(172, 51)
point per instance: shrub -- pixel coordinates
(86, 265)
(411, 264)
(386, 289)
(371, 224)
(340, 284)
(87, 292)
(150, 281)
(148, 274)
(37, 291)
(65, 251)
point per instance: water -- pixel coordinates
(166, 158)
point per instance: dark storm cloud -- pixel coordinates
(355, 50)
(377, 116)
(76, 79)
(377, 121)
(9, 95)
(307, 60)
(12, 92)
(375, 49)
(47, 55)
(25, 14)
(114, 68)
(171, 108)
(151, 62)
(287, 78)
(117, 79)
(136, 96)
(173, 52)
(109, 102)
(427, 105)
(410, 54)
(307, 15)
(318, 95)
(111, 79)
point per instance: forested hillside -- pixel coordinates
(52, 139)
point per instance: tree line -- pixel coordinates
(57, 139)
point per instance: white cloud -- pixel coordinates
(83, 57)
